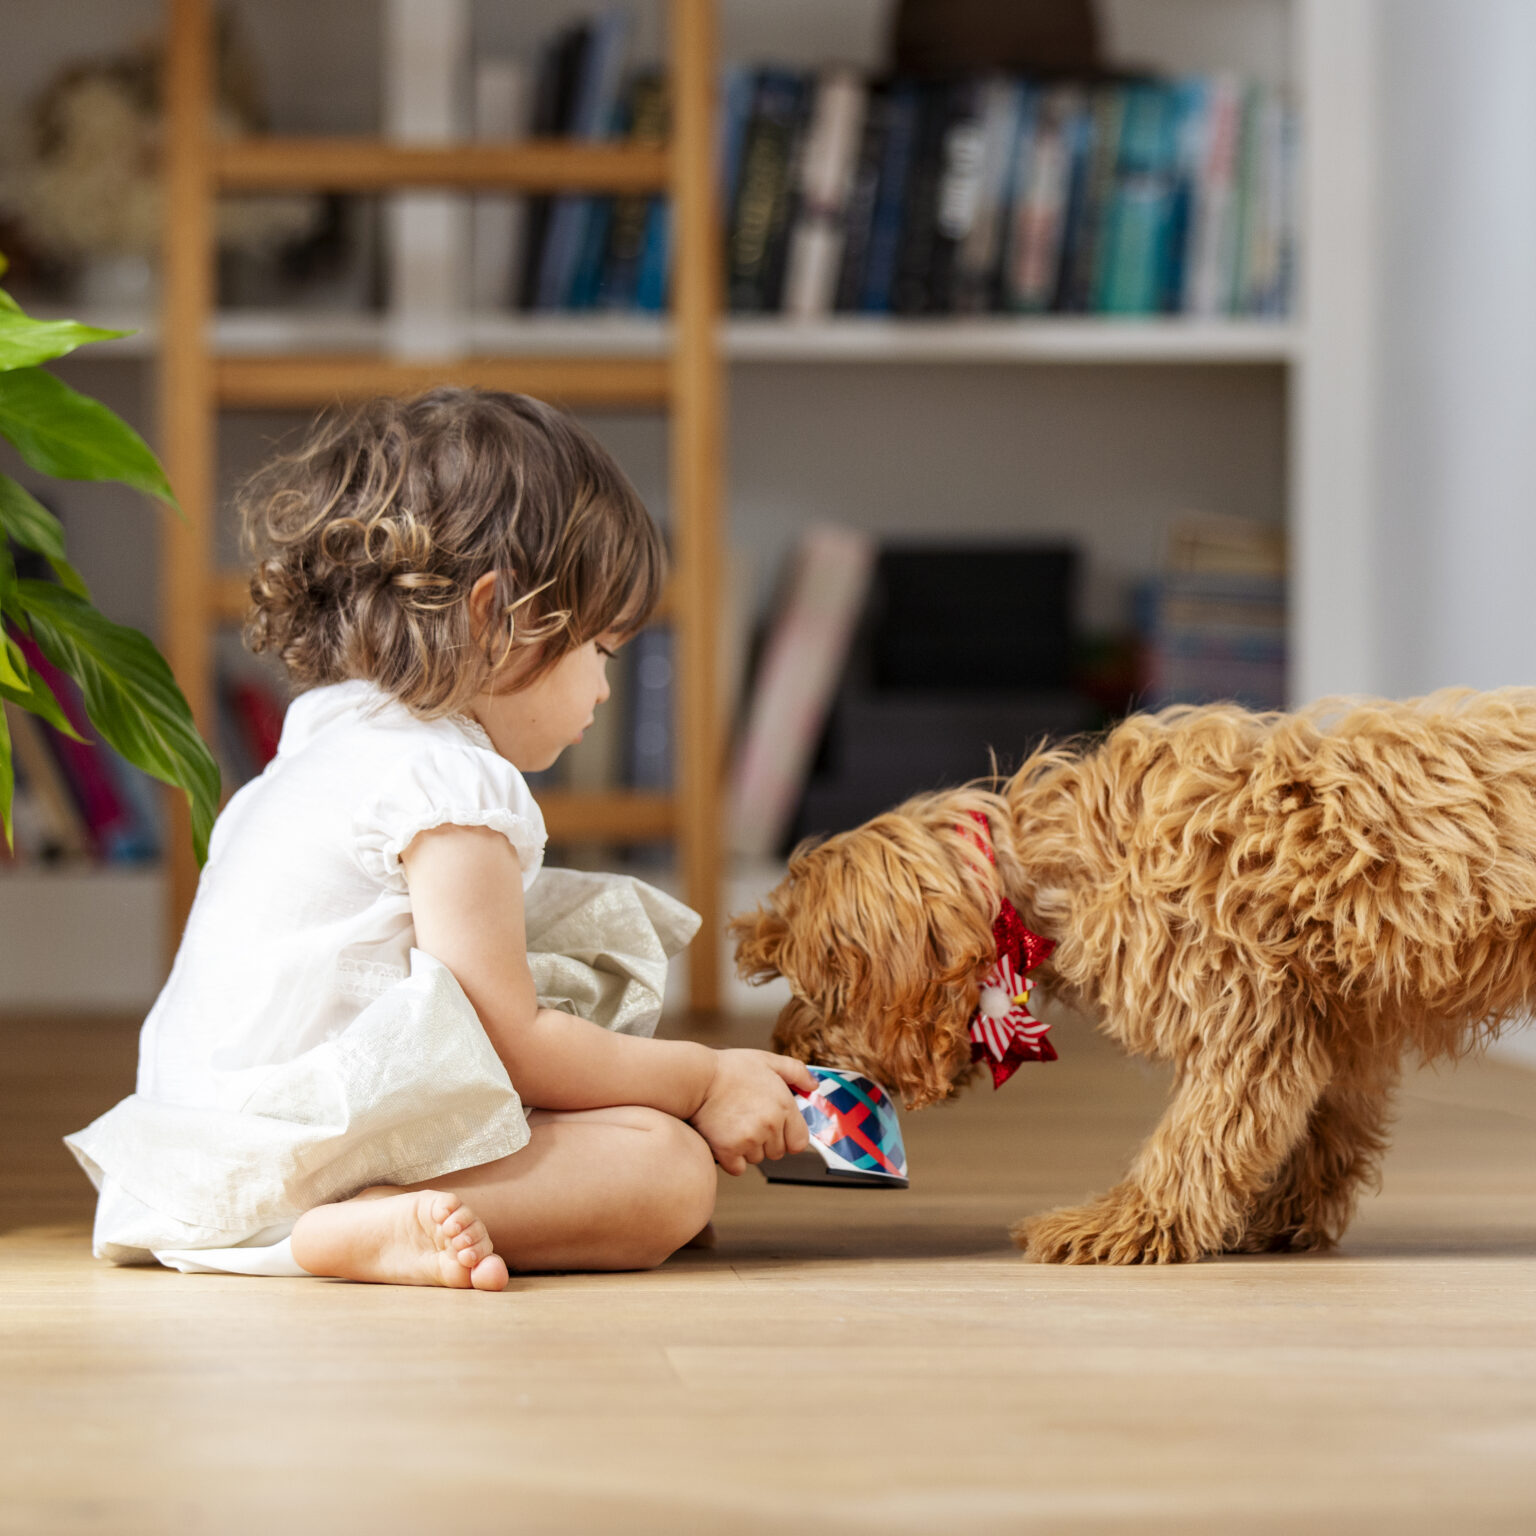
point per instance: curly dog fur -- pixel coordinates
(1280, 905)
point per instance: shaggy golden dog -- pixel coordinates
(1279, 905)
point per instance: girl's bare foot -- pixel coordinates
(427, 1237)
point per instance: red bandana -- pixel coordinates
(1004, 1033)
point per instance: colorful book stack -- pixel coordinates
(76, 800)
(587, 252)
(250, 723)
(1215, 618)
(1135, 196)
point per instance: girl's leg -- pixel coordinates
(618, 1188)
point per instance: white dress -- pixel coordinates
(302, 1048)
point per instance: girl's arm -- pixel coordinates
(466, 890)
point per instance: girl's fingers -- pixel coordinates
(797, 1135)
(795, 1073)
(773, 1145)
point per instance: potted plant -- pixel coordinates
(126, 687)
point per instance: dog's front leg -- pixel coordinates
(1243, 1100)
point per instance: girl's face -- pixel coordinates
(532, 726)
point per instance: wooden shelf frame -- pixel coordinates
(284, 164)
(686, 380)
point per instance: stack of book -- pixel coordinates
(251, 706)
(75, 799)
(1135, 196)
(1215, 618)
(576, 251)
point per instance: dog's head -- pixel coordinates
(883, 934)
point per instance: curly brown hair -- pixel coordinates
(368, 538)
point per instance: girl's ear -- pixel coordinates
(482, 599)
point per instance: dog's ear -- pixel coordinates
(759, 938)
(903, 929)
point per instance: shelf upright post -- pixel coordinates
(698, 390)
(186, 420)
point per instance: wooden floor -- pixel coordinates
(856, 1361)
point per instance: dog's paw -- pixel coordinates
(1294, 1239)
(1120, 1228)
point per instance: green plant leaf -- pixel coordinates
(25, 342)
(60, 432)
(130, 695)
(7, 781)
(34, 527)
(39, 699)
(13, 665)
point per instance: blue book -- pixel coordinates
(1081, 131)
(736, 96)
(1133, 259)
(586, 283)
(649, 748)
(1189, 111)
(890, 199)
(594, 115)
(655, 259)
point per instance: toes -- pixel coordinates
(472, 1246)
(489, 1274)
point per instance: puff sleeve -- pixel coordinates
(442, 784)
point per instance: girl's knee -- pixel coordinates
(677, 1185)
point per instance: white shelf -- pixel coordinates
(846, 339)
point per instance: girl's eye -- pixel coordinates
(603, 651)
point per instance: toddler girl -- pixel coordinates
(334, 1079)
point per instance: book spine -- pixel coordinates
(655, 259)
(63, 832)
(959, 194)
(890, 201)
(1042, 185)
(260, 713)
(918, 256)
(826, 175)
(1087, 242)
(554, 93)
(650, 737)
(1247, 199)
(107, 820)
(1132, 274)
(1007, 117)
(802, 662)
(593, 116)
(627, 226)
(859, 219)
(1212, 234)
(762, 198)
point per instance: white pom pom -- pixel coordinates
(994, 1003)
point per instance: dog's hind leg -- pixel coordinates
(1243, 1101)
(1309, 1205)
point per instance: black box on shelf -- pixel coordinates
(975, 616)
(965, 651)
(881, 747)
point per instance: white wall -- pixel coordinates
(1457, 383)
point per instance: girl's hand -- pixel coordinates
(748, 1113)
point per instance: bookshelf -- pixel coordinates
(198, 379)
(1290, 402)
(274, 334)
